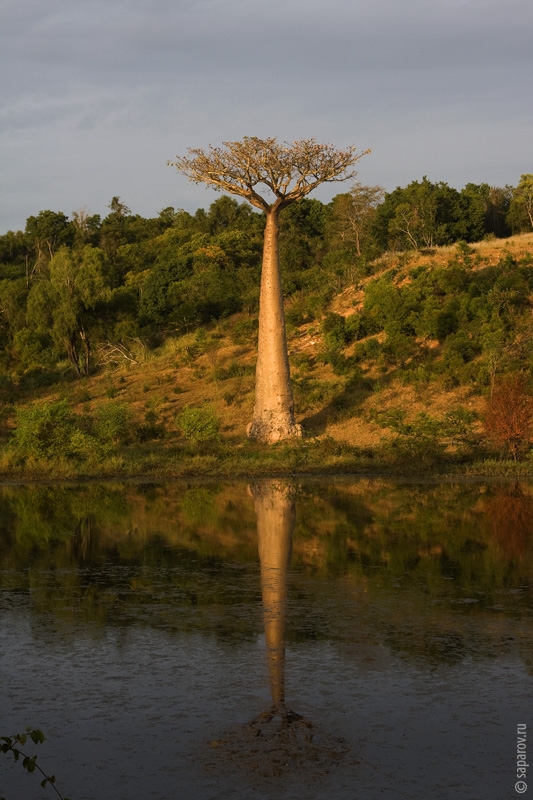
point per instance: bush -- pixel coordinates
(152, 429)
(334, 330)
(233, 370)
(416, 446)
(113, 423)
(245, 331)
(509, 415)
(45, 431)
(199, 424)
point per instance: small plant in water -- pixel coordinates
(10, 744)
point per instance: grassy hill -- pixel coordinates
(392, 376)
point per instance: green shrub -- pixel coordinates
(45, 431)
(368, 350)
(354, 327)
(334, 330)
(245, 332)
(233, 370)
(199, 424)
(113, 424)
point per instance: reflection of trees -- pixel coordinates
(510, 516)
(178, 557)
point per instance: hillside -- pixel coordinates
(392, 373)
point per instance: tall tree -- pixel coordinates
(521, 208)
(65, 304)
(288, 172)
(45, 233)
(354, 212)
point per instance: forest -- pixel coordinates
(383, 290)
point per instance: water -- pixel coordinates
(347, 639)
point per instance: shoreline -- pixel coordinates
(430, 477)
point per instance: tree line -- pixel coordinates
(72, 287)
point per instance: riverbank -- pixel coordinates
(251, 460)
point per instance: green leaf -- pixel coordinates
(37, 736)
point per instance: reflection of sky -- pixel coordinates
(98, 95)
(128, 711)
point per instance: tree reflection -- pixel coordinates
(274, 508)
(278, 741)
(510, 515)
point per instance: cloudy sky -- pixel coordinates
(97, 95)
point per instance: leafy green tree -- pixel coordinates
(497, 210)
(13, 254)
(475, 199)
(485, 210)
(421, 215)
(13, 295)
(86, 228)
(228, 214)
(353, 214)
(115, 229)
(64, 305)
(520, 215)
(301, 243)
(45, 234)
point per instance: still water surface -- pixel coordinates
(341, 639)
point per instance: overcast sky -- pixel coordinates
(97, 95)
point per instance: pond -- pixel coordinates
(344, 638)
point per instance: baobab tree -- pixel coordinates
(288, 172)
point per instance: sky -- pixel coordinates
(97, 95)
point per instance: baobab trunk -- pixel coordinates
(273, 417)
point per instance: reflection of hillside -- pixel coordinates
(410, 558)
(510, 517)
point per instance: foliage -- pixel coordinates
(289, 171)
(52, 431)
(509, 414)
(113, 424)
(70, 287)
(199, 424)
(353, 215)
(45, 431)
(10, 744)
(520, 214)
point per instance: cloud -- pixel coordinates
(418, 81)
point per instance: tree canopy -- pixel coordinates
(289, 171)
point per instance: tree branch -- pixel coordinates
(289, 171)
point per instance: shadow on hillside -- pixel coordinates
(345, 404)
